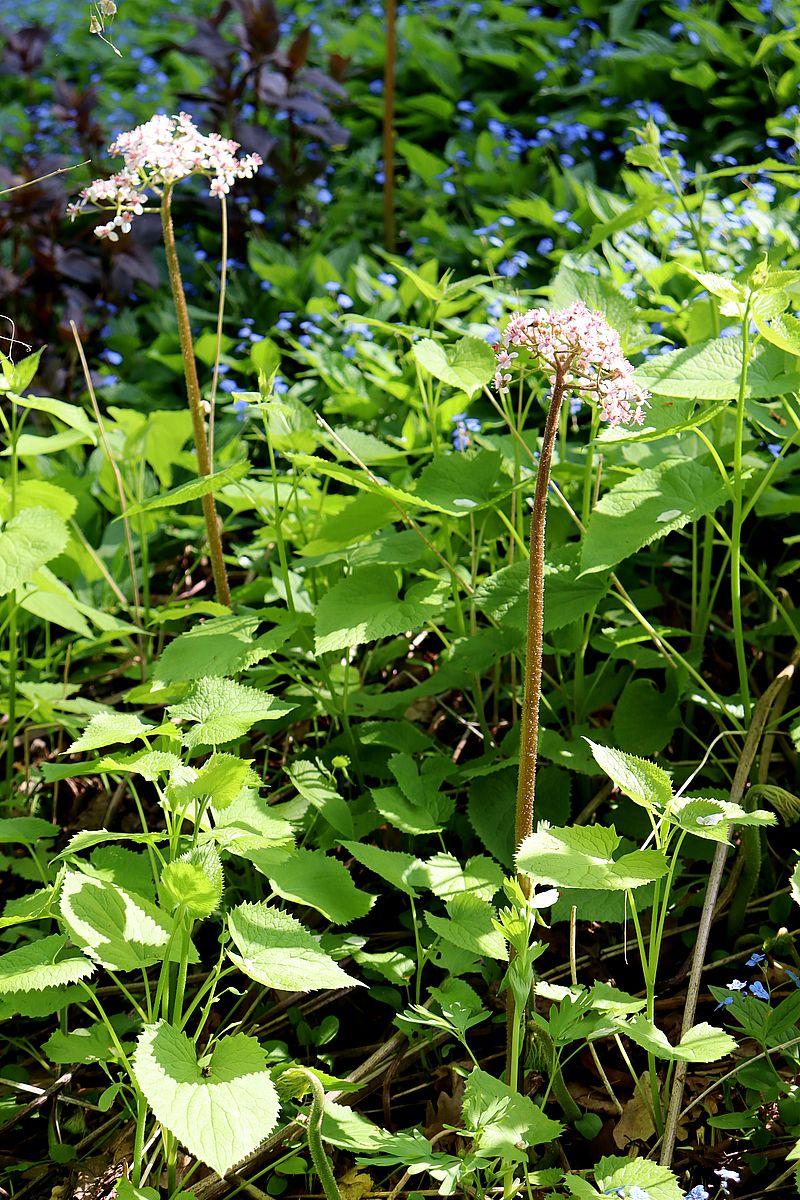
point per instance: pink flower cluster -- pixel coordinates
(581, 347)
(158, 154)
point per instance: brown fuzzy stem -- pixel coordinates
(195, 403)
(529, 736)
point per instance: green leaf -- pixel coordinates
(220, 1108)
(470, 926)
(711, 819)
(459, 485)
(46, 963)
(193, 882)
(506, 1124)
(31, 907)
(703, 1043)
(221, 710)
(468, 365)
(782, 331)
(27, 830)
(417, 805)
(617, 1172)
(712, 371)
(221, 778)
(365, 606)
(582, 857)
(27, 542)
(126, 1191)
(316, 785)
(310, 877)
(402, 871)
(644, 782)
(111, 729)
(116, 928)
(222, 646)
(794, 884)
(646, 507)
(644, 718)
(277, 951)
(446, 877)
(89, 1045)
(718, 285)
(192, 490)
(20, 375)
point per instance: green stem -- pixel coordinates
(138, 1140)
(195, 402)
(319, 1158)
(736, 524)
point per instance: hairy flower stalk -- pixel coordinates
(580, 354)
(157, 155)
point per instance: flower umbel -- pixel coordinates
(158, 154)
(582, 348)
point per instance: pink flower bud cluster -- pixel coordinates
(157, 155)
(581, 347)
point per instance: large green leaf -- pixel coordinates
(192, 490)
(582, 857)
(712, 371)
(221, 646)
(365, 606)
(50, 962)
(276, 950)
(568, 595)
(311, 877)
(617, 1176)
(470, 926)
(459, 485)
(646, 507)
(221, 709)
(221, 778)
(703, 1042)
(85, 1045)
(118, 929)
(402, 871)
(468, 365)
(446, 877)
(25, 829)
(643, 781)
(111, 729)
(220, 1107)
(505, 1123)
(27, 542)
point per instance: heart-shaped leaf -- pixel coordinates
(220, 1109)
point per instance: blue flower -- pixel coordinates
(112, 356)
(240, 408)
(344, 301)
(228, 385)
(736, 985)
(698, 1192)
(387, 277)
(279, 385)
(724, 1003)
(464, 426)
(755, 959)
(759, 991)
(257, 216)
(324, 195)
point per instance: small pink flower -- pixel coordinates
(582, 348)
(157, 155)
